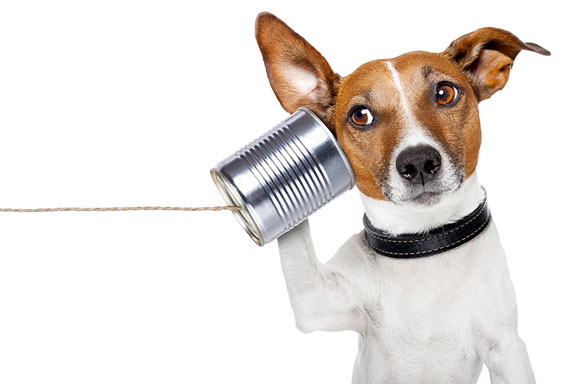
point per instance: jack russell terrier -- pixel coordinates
(425, 284)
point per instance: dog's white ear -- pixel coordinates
(486, 57)
(299, 75)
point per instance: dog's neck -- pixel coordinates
(413, 218)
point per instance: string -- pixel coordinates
(107, 209)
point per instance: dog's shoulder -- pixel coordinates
(355, 249)
(355, 257)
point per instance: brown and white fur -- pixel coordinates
(428, 320)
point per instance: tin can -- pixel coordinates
(284, 176)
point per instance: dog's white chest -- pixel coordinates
(426, 314)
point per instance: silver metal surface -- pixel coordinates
(284, 176)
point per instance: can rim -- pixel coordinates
(334, 141)
(232, 196)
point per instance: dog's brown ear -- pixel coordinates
(486, 57)
(299, 75)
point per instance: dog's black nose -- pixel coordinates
(419, 164)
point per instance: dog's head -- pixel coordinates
(409, 125)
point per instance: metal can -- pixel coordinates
(281, 178)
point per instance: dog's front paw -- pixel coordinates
(299, 231)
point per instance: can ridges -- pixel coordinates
(285, 175)
(292, 181)
(309, 188)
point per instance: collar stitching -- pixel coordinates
(372, 233)
(440, 248)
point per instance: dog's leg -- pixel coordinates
(322, 296)
(508, 362)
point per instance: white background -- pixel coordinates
(132, 102)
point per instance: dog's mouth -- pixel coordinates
(422, 194)
(423, 197)
(427, 198)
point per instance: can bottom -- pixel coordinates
(232, 197)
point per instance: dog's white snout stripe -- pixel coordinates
(413, 133)
(410, 119)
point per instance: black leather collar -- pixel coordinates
(438, 240)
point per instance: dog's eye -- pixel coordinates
(361, 117)
(446, 94)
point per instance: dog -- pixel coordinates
(425, 284)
